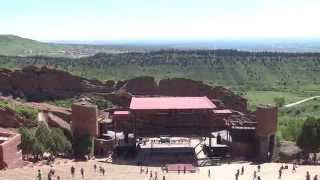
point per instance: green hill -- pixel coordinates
(11, 45)
(15, 45)
(291, 119)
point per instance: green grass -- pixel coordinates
(22, 111)
(291, 119)
(66, 103)
(256, 98)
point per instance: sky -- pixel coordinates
(159, 19)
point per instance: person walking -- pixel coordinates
(254, 175)
(259, 167)
(242, 170)
(95, 167)
(49, 175)
(308, 176)
(280, 172)
(315, 177)
(72, 170)
(209, 173)
(39, 176)
(82, 173)
(103, 171)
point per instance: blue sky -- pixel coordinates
(159, 19)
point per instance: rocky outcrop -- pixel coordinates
(9, 119)
(40, 83)
(180, 87)
(288, 151)
(140, 86)
(188, 87)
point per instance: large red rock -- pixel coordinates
(183, 87)
(144, 85)
(39, 83)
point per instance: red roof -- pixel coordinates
(158, 103)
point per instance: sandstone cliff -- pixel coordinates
(40, 83)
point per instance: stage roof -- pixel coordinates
(163, 103)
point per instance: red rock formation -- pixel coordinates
(188, 87)
(144, 85)
(39, 83)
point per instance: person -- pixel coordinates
(163, 177)
(259, 167)
(49, 176)
(308, 176)
(269, 156)
(219, 139)
(39, 175)
(155, 175)
(184, 169)
(280, 172)
(209, 173)
(141, 170)
(82, 173)
(242, 170)
(254, 175)
(72, 171)
(237, 174)
(293, 168)
(315, 177)
(58, 178)
(103, 171)
(95, 167)
(259, 178)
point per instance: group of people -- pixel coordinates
(283, 167)
(51, 173)
(152, 175)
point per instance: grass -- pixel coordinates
(22, 111)
(256, 98)
(66, 103)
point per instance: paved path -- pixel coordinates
(301, 101)
(269, 171)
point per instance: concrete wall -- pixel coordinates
(10, 156)
(84, 119)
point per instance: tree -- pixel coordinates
(309, 138)
(279, 101)
(27, 140)
(60, 144)
(29, 143)
(43, 136)
(82, 145)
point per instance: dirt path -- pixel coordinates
(300, 102)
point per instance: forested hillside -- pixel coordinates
(262, 70)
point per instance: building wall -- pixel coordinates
(84, 119)
(267, 123)
(267, 120)
(10, 155)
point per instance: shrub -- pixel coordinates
(309, 137)
(82, 145)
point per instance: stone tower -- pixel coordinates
(84, 119)
(267, 123)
